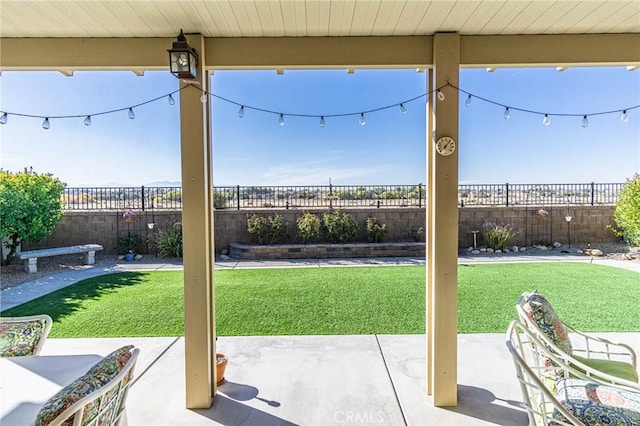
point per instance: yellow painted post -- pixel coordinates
(443, 260)
(197, 238)
(428, 232)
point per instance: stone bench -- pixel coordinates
(31, 256)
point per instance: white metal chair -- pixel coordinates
(600, 359)
(96, 398)
(23, 336)
(555, 393)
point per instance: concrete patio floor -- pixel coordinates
(321, 380)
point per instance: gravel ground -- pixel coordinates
(15, 274)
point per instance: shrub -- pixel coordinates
(308, 227)
(497, 237)
(127, 244)
(415, 233)
(30, 207)
(339, 226)
(169, 241)
(627, 214)
(219, 199)
(375, 231)
(266, 230)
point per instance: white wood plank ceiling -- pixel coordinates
(313, 18)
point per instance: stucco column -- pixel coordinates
(442, 237)
(197, 230)
(428, 232)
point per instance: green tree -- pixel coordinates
(30, 207)
(627, 214)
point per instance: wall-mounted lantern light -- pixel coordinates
(183, 59)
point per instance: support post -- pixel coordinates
(197, 228)
(443, 214)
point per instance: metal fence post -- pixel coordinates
(238, 195)
(419, 195)
(507, 193)
(592, 192)
(142, 197)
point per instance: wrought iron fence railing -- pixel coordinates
(340, 196)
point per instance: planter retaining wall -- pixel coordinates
(325, 250)
(588, 225)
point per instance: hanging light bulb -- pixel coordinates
(241, 111)
(87, 121)
(132, 114)
(203, 98)
(546, 121)
(585, 121)
(362, 120)
(281, 120)
(624, 117)
(468, 102)
(3, 118)
(45, 123)
(322, 122)
(440, 95)
(171, 100)
(403, 110)
(507, 114)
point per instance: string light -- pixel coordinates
(546, 121)
(624, 117)
(45, 124)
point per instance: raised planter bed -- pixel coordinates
(325, 250)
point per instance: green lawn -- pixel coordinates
(363, 300)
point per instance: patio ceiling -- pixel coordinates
(313, 18)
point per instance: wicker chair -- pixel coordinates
(23, 336)
(555, 393)
(96, 398)
(599, 359)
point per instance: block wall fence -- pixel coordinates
(589, 224)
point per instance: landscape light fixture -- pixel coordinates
(183, 59)
(568, 219)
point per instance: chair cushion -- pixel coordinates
(20, 338)
(596, 404)
(619, 369)
(540, 311)
(96, 377)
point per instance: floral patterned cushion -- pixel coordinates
(596, 404)
(20, 338)
(97, 376)
(539, 310)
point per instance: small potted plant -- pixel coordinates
(127, 245)
(128, 216)
(221, 365)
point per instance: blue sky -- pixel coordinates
(389, 149)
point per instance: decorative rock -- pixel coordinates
(557, 244)
(490, 250)
(224, 257)
(475, 251)
(579, 251)
(470, 249)
(499, 251)
(505, 250)
(138, 257)
(523, 249)
(596, 252)
(121, 257)
(630, 256)
(543, 248)
(225, 252)
(515, 248)
(482, 250)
